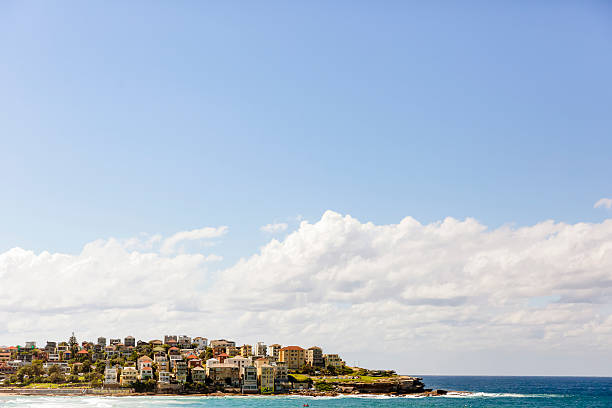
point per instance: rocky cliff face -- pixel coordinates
(398, 385)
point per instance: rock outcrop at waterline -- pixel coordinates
(396, 385)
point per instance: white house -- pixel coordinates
(110, 375)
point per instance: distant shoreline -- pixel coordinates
(78, 392)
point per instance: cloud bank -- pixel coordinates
(448, 287)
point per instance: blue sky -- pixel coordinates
(156, 117)
(122, 118)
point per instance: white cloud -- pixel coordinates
(169, 244)
(273, 228)
(604, 203)
(433, 291)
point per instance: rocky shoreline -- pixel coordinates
(392, 387)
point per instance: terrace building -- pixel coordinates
(333, 360)
(164, 377)
(202, 342)
(168, 339)
(274, 350)
(110, 376)
(128, 375)
(249, 379)
(180, 371)
(294, 356)
(265, 375)
(198, 374)
(314, 357)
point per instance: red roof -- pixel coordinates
(173, 348)
(82, 352)
(223, 355)
(294, 348)
(191, 356)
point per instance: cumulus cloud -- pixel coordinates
(169, 244)
(604, 203)
(273, 228)
(451, 286)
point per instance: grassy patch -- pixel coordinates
(53, 386)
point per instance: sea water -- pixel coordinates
(486, 392)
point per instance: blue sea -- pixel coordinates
(523, 392)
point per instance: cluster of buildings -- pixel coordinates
(177, 360)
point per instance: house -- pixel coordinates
(198, 374)
(222, 374)
(294, 356)
(232, 351)
(222, 357)
(173, 359)
(168, 339)
(274, 350)
(67, 355)
(110, 376)
(16, 363)
(51, 347)
(6, 370)
(217, 350)
(314, 357)
(163, 377)
(61, 364)
(156, 343)
(129, 341)
(144, 361)
(265, 376)
(82, 354)
(5, 354)
(222, 343)
(102, 341)
(260, 349)
(249, 379)
(180, 371)
(184, 341)
(333, 360)
(54, 357)
(114, 342)
(146, 373)
(162, 362)
(264, 360)
(30, 345)
(239, 362)
(246, 350)
(202, 342)
(281, 374)
(129, 375)
(193, 361)
(174, 351)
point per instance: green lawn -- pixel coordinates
(363, 378)
(51, 385)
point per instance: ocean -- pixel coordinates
(521, 392)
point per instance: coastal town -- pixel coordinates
(182, 364)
